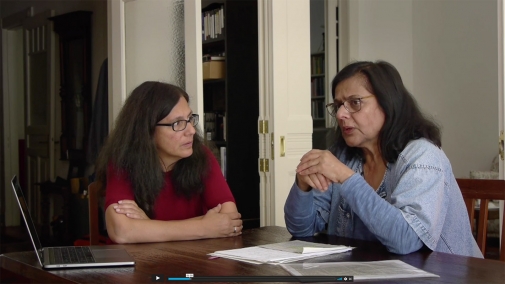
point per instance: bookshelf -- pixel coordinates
(231, 97)
(317, 86)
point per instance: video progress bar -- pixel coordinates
(302, 279)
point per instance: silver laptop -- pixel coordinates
(68, 256)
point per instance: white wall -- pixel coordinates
(382, 30)
(154, 42)
(456, 77)
(447, 54)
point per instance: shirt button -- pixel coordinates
(348, 215)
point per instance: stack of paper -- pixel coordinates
(280, 252)
(361, 271)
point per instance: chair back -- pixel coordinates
(95, 191)
(485, 190)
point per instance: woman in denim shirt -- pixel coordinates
(386, 177)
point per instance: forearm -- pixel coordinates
(122, 229)
(228, 207)
(299, 212)
(383, 219)
(218, 222)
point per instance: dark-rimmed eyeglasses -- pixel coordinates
(352, 105)
(180, 125)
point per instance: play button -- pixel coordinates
(157, 278)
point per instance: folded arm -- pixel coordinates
(218, 222)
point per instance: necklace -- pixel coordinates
(164, 166)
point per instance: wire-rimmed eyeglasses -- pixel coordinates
(352, 104)
(180, 125)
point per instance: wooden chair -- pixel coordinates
(95, 191)
(485, 190)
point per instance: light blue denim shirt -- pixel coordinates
(418, 202)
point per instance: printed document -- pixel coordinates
(304, 247)
(361, 271)
(281, 252)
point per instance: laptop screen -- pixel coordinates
(26, 215)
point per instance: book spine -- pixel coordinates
(212, 23)
(222, 151)
(224, 127)
(210, 126)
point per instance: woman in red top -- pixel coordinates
(162, 183)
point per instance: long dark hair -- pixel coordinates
(131, 149)
(404, 120)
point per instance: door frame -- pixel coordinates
(10, 210)
(501, 100)
(116, 57)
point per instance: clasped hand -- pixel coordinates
(219, 224)
(319, 168)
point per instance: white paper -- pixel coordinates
(261, 254)
(305, 247)
(315, 249)
(370, 270)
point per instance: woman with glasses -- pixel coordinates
(386, 177)
(162, 183)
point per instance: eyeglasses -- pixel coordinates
(352, 105)
(180, 125)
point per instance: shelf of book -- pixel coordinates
(317, 86)
(231, 103)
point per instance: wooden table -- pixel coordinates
(175, 259)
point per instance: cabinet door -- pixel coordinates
(284, 42)
(39, 104)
